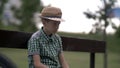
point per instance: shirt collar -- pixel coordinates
(44, 35)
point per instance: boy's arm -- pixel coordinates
(37, 63)
(63, 61)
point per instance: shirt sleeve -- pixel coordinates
(33, 46)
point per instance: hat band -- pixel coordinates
(51, 16)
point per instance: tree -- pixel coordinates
(28, 8)
(102, 14)
(2, 3)
(25, 15)
(117, 33)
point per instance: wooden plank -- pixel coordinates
(16, 39)
(83, 45)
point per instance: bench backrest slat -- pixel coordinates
(16, 39)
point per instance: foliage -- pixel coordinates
(25, 15)
(27, 10)
(102, 15)
(118, 32)
(2, 3)
(81, 35)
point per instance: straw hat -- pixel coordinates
(51, 13)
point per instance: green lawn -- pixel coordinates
(75, 59)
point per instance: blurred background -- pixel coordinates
(89, 19)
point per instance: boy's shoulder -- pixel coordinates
(36, 34)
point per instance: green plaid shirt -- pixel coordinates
(47, 47)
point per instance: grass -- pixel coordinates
(75, 59)
(18, 56)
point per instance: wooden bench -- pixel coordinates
(16, 39)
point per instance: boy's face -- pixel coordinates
(52, 26)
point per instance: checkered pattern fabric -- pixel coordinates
(48, 47)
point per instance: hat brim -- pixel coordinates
(52, 18)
